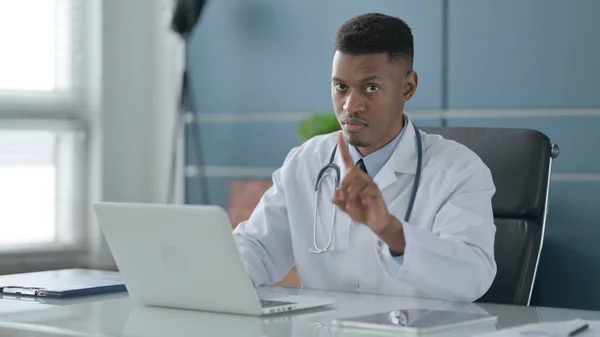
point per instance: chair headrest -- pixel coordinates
(519, 160)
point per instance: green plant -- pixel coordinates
(318, 124)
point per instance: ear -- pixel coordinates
(411, 82)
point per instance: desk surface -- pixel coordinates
(116, 315)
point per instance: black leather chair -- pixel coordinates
(521, 163)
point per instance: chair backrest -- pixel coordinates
(520, 161)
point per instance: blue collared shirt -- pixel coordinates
(375, 161)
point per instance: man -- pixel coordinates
(362, 240)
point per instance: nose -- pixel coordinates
(353, 102)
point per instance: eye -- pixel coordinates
(339, 86)
(372, 88)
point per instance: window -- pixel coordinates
(29, 53)
(28, 180)
(42, 139)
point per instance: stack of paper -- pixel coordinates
(572, 328)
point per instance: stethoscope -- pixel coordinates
(331, 165)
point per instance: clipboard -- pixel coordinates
(64, 287)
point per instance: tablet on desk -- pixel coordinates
(417, 321)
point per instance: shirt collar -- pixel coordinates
(375, 161)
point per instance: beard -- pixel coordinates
(358, 143)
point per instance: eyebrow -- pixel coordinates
(366, 79)
(370, 78)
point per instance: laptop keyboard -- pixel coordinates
(271, 303)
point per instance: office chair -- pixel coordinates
(520, 161)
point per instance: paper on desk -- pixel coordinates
(548, 329)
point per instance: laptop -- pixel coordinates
(149, 321)
(185, 256)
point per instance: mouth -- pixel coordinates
(353, 125)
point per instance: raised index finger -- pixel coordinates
(348, 162)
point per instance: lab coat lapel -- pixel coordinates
(403, 159)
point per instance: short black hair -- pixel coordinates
(374, 33)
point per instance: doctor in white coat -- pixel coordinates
(411, 215)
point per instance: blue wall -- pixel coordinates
(533, 55)
(523, 54)
(273, 59)
(275, 56)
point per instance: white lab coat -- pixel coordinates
(449, 239)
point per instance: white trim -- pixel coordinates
(279, 117)
(49, 124)
(426, 114)
(291, 116)
(259, 117)
(520, 113)
(566, 176)
(230, 171)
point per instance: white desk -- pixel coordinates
(116, 315)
